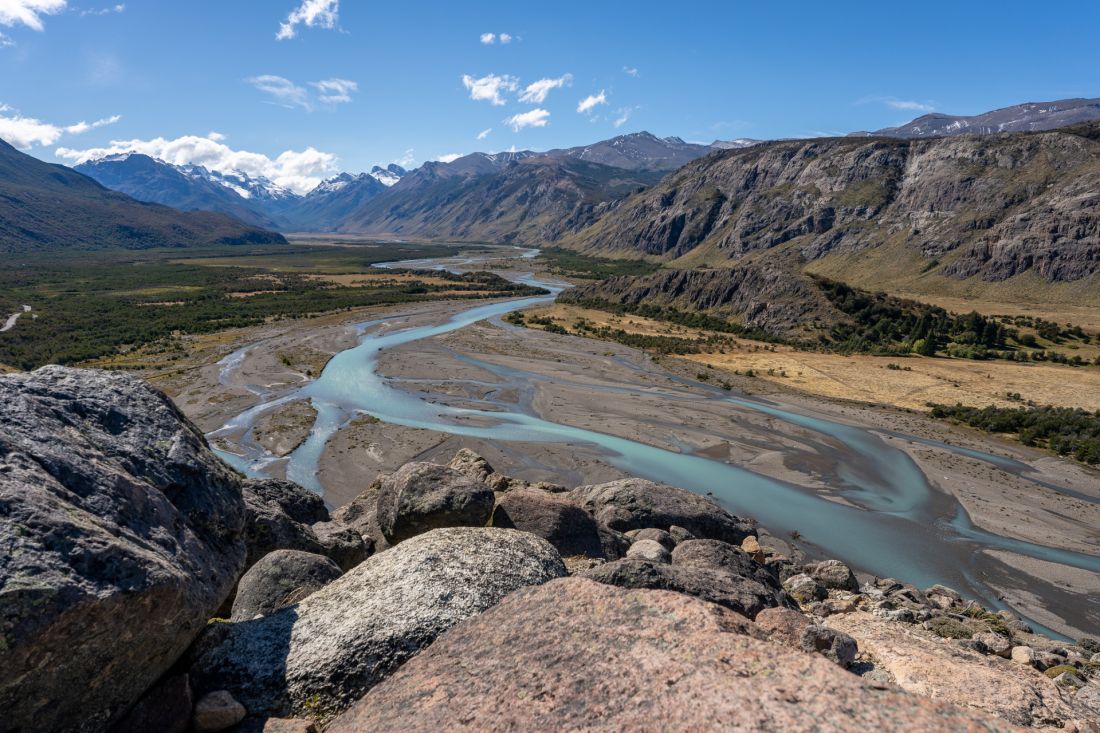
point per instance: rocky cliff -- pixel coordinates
(986, 207)
(441, 598)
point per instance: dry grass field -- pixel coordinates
(915, 382)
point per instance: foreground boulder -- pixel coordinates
(280, 579)
(563, 524)
(121, 536)
(315, 658)
(419, 497)
(633, 503)
(744, 595)
(576, 655)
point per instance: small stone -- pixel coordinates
(1069, 679)
(784, 625)
(943, 597)
(752, 546)
(657, 535)
(649, 550)
(217, 711)
(902, 615)
(679, 534)
(994, 643)
(804, 589)
(830, 643)
(833, 574)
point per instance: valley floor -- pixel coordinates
(611, 389)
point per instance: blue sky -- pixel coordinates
(169, 73)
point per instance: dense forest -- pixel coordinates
(1064, 430)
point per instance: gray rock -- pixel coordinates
(724, 556)
(121, 535)
(1089, 697)
(279, 515)
(659, 536)
(280, 579)
(343, 545)
(216, 711)
(637, 504)
(563, 524)
(361, 515)
(649, 550)
(833, 574)
(805, 589)
(993, 643)
(744, 595)
(419, 497)
(679, 534)
(316, 658)
(832, 644)
(613, 544)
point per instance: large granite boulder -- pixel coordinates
(633, 503)
(724, 556)
(744, 595)
(319, 656)
(280, 579)
(563, 524)
(121, 534)
(419, 497)
(576, 655)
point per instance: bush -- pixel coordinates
(949, 628)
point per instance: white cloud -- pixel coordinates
(406, 160)
(623, 116)
(300, 171)
(589, 102)
(311, 13)
(26, 132)
(895, 103)
(335, 91)
(536, 92)
(489, 87)
(6, 42)
(28, 12)
(449, 157)
(484, 133)
(285, 92)
(215, 136)
(490, 38)
(102, 11)
(534, 118)
(630, 71)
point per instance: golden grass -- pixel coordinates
(867, 378)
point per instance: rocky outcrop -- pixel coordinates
(634, 503)
(419, 497)
(281, 515)
(121, 534)
(744, 595)
(318, 657)
(986, 207)
(577, 655)
(280, 579)
(570, 529)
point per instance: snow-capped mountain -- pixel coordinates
(389, 175)
(245, 186)
(741, 142)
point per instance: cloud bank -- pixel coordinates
(28, 12)
(26, 132)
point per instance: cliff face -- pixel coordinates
(990, 207)
(767, 297)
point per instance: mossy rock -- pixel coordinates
(949, 628)
(1059, 669)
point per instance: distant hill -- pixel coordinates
(636, 151)
(46, 207)
(523, 199)
(871, 210)
(1029, 117)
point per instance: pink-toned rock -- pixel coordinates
(784, 625)
(217, 711)
(573, 655)
(289, 725)
(943, 670)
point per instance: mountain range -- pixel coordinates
(1028, 117)
(46, 207)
